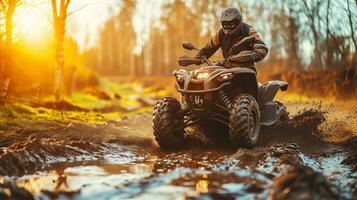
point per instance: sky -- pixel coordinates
(33, 20)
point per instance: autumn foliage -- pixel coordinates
(309, 41)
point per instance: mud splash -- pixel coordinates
(290, 162)
(303, 129)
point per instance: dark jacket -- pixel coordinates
(225, 42)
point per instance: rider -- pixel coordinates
(232, 32)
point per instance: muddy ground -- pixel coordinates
(313, 156)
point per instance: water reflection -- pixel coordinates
(61, 180)
(74, 176)
(202, 186)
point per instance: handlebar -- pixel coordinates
(241, 52)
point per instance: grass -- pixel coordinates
(93, 109)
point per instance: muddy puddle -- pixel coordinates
(89, 177)
(296, 165)
(277, 172)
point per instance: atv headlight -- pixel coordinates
(225, 76)
(202, 75)
(179, 78)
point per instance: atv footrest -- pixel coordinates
(269, 114)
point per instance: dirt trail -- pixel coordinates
(312, 157)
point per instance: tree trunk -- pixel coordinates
(59, 22)
(294, 59)
(311, 14)
(294, 48)
(317, 47)
(5, 82)
(59, 54)
(8, 43)
(327, 40)
(349, 13)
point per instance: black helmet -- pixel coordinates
(231, 20)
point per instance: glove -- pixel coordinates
(244, 56)
(222, 62)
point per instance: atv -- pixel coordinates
(231, 97)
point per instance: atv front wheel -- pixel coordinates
(168, 123)
(244, 121)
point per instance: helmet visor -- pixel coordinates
(229, 25)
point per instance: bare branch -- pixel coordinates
(54, 10)
(332, 35)
(19, 2)
(48, 17)
(67, 4)
(11, 7)
(62, 8)
(342, 6)
(74, 11)
(349, 13)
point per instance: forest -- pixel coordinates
(301, 36)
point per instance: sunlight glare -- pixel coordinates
(31, 26)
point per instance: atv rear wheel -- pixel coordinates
(244, 121)
(168, 123)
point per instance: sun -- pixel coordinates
(31, 25)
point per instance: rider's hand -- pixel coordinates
(221, 62)
(226, 61)
(199, 62)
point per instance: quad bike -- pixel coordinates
(231, 97)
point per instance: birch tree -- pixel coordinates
(59, 12)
